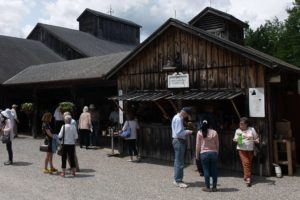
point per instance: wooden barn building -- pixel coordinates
(204, 64)
(87, 57)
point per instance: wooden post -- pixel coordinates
(235, 108)
(35, 114)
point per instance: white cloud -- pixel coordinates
(11, 15)
(26, 30)
(148, 13)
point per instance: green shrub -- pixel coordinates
(27, 107)
(66, 107)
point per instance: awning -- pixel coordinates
(142, 96)
(207, 95)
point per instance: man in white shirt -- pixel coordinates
(179, 134)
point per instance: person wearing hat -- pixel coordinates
(6, 124)
(95, 124)
(15, 120)
(179, 134)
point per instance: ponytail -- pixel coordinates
(204, 128)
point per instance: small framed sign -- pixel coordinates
(256, 102)
(178, 80)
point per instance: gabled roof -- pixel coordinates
(100, 14)
(16, 54)
(80, 69)
(84, 43)
(209, 10)
(248, 52)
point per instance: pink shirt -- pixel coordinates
(208, 144)
(85, 121)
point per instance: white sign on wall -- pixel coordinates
(178, 80)
(121, 114)
(257, 102)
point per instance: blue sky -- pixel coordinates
(18, 17)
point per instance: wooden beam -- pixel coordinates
(118, 105)
(165, 115)
(174, 106)
(235, 108)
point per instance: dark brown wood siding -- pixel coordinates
(209, 66)
(108, 29)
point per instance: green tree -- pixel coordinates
(289, 46)
(266, 37)
(279, 39)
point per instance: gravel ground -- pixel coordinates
(105, 177)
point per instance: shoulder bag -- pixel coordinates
(127, 132)
(5, 138)
(60, 148)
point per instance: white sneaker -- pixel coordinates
(180, 184)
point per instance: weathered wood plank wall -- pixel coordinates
(210, 67)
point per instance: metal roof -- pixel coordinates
(143, 96)
(80, 69)
(207, 95)
(186, 95)
(84, 43)
(16, 54)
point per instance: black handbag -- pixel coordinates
(44, 148)
(60, 148)
(5, 138)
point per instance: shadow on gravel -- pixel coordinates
(116, 155)
(156, 162)
(258, 180)
(87, 170)
(228, 190)
(20, 163)
(196, 184)
(83, 176)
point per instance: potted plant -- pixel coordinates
(66, 107)
(27, 108)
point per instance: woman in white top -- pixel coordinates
(245, 137)
(131, 141)
(68, 134)
(7, 129)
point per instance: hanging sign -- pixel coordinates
(178, 80)
(257, 102)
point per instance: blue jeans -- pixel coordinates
(179, 149)
(209, 163)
